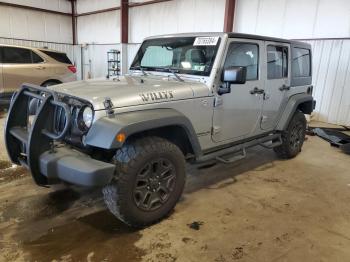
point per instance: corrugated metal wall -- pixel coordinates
(55, 5)
(331, 80)
(26, 24)
(101, 28)
(84, 6)
(177, 16)
(294, 18)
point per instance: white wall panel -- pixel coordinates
(101, 28)
(303, 27)
(84, 6)
(175, 17)
(333, 19)
(33, 25)
(294, 18)
(331, 80)
(55, 5)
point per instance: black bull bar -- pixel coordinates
(32, 145)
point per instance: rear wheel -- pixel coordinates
(293, 137)
(150, 180)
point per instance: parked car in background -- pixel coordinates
(38, 66)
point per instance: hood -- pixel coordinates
(132, 90)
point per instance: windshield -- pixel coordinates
(184, 55)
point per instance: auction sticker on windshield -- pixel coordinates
(204, 41)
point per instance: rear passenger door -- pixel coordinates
(277, 82)
(21, 65)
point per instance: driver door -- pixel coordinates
(237, 114)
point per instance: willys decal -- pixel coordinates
(155, 96)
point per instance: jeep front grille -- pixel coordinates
(59, 120)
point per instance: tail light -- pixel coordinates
(72, 68)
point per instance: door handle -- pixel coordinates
(284, 88)
(40, 67)
(257, 91)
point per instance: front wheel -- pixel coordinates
(150, 180)
(293, 137)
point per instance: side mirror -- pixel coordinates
(232, 75)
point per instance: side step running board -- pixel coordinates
(233, 158)
(274, 143)
(275, 140)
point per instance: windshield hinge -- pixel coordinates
(107, 103)
(218, 101)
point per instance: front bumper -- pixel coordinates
(75, 167)
(33, 144)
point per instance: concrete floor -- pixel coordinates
(259, 209)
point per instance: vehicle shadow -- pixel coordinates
(216, 173)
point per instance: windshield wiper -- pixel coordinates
(174, 72)
(139, 68)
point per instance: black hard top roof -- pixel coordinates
(237, 35)
(267, 38)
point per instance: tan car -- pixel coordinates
(32, 65)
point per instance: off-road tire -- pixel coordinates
(119, 196)
(293, 137)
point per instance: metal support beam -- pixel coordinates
(74, 21)
(124, 21)
(229, 15)
(124, 34)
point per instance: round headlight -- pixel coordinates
(87, 116)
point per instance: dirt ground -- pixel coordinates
(258, 209)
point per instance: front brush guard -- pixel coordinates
(25, 144)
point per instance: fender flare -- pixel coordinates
(292, 105)
(103, 132)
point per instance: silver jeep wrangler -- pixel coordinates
(189, 97)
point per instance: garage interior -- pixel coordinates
(260, 208)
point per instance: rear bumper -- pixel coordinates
(75, 167)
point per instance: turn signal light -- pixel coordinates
(120, 137)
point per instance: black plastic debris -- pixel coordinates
(195, 225)
(335, 136)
